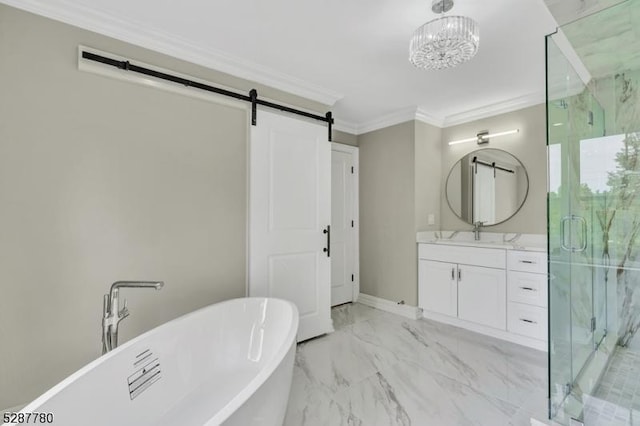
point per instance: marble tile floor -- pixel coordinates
(382, 369)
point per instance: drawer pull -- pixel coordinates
(528, 320)
(528, 288)
(531, 262)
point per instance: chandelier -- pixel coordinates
(444, 42)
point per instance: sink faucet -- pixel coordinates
(111, 316)
(476, 230)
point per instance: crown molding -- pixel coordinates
(420, 114)
(387, 120)
(345, 126)
(491, 110)
(425, 117)
(397, 117)
(128, 31)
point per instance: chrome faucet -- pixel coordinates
(476, 230)
(111, 316)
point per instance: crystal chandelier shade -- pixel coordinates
(444, 42)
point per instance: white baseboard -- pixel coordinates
(407, 311)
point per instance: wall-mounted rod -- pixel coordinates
(128, 66)
(252, 98)
(492, 165)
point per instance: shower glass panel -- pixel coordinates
(593, 116)
(574, 116)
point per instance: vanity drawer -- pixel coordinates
(526, 287)
(527, 261)
(477, 256)
(526, 320)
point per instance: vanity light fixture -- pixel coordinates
(484, 136)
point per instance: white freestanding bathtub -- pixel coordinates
(230, 363)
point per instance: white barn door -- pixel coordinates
(289, 210)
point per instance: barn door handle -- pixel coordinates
(327, 249)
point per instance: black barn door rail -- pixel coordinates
(252, 98)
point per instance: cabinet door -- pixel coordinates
(482, 296)
(437, 287)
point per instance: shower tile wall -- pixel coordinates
(621, 92)
(607, 43)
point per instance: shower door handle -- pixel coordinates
(583, 242)
(583, 227)
(563, 226)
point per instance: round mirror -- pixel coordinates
(488, 185)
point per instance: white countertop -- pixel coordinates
(506, 241)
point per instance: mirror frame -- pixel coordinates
(526, 193)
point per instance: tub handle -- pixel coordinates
(327, 249)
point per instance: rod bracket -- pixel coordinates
(329, 117)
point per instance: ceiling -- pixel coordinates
(349, 54)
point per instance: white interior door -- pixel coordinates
(289, 208)
(344, 268)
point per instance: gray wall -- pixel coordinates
(399, 187)
(387, 232)
(345, 138)
(428, 173)
(529, 146)
(102, 180)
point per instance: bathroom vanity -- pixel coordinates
(496, 286)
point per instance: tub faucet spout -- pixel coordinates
(112, 314)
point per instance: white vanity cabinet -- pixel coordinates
(438, 287)
(496, 291)
(464, 282)
(527, 294)
(482, 295)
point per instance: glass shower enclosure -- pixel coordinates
(593, 138)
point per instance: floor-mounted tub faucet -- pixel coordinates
(111, 316)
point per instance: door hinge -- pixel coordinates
(351, 169)
(593, 324)
(352, 224)
(351, 277)
(568, 387)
